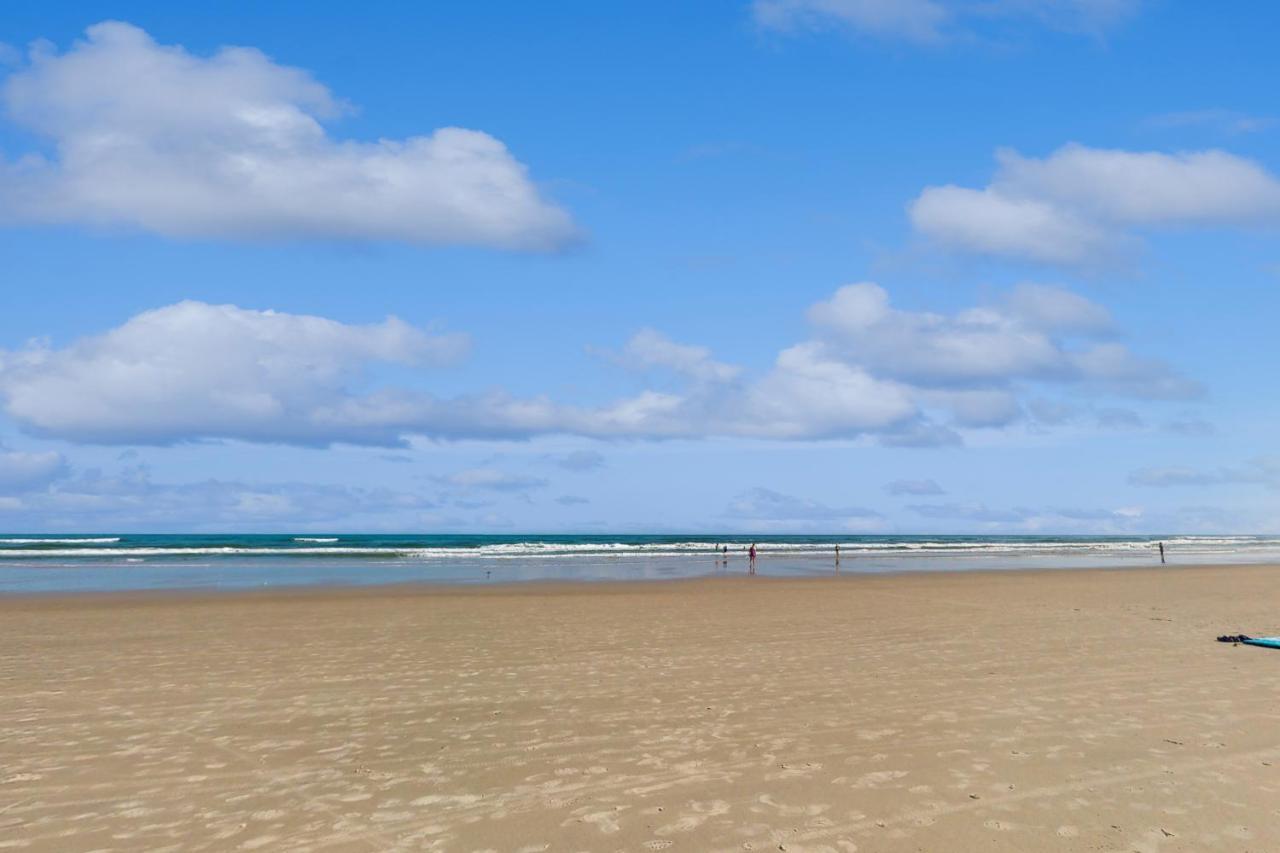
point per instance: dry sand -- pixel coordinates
(1079, 710)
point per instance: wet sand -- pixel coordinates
(1071, 710)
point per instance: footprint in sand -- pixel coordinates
(603, 820)
(701, 813)
(812, 810)
(878, 778)
(1067, 832)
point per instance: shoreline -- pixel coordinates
(428, 587)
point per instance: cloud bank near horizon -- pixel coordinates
(195, 372)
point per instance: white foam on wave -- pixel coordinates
(196, 552)
(97, 540)
(315, 539)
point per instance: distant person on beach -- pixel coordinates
(837, 556)
(751, 556)
(1161, 544)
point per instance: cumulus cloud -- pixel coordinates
(194, 371)
(929, 21)
(987, 222)
(648, 349)
(1081, 206)
(914, 487)
(1259, 471)
(1053, 309)
(1039, 333)
(234, 145)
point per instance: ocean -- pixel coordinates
(36, 563)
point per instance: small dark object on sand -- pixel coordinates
(1234, 638)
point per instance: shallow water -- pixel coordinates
(100, 562)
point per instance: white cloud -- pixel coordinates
(1146, 187)
(929, 21)
(975, 407)
(966, 360)
(648, 348)
(1079, 205)
(928, 348)
(1117, 367)
(193, 371)
(922, 347)
(21, 471)
(811, 394)
(233, 145)
(987, 222)
(1056, 310)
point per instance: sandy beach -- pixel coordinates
(1016, 711)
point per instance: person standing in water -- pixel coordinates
(837, 556)
(751, 558)
(1161, 544)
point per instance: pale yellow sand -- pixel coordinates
(1018, 712)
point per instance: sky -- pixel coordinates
(788, 266)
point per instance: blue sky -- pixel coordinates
(791, 265)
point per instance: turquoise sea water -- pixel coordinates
(98, 562)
